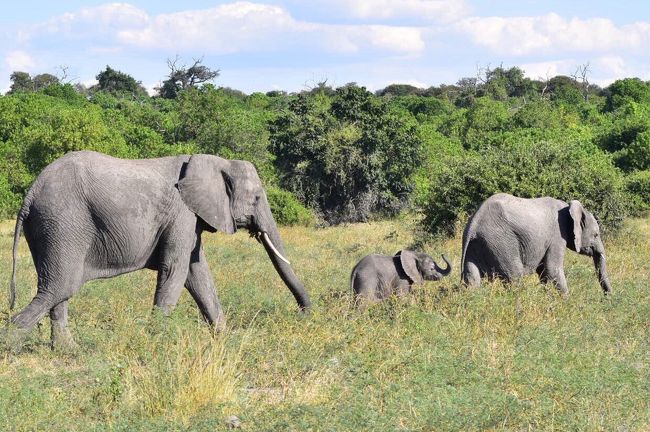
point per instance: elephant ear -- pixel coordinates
(205, 189)
(577, 214)
(409, 263)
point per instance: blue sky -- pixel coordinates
(293, 44)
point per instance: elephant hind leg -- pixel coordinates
(53, 290)
(551, 270)
(471, 274)
(61, 337)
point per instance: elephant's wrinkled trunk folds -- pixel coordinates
(272, 242)
(601, 270)
(443, 272)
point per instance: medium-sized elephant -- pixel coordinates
(91, 216)
(376, 277)
(509, 237)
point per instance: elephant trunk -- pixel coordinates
(274, 247)
(443, 272)
(601, 270)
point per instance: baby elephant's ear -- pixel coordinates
(410, 265)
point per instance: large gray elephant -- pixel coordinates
(376, 277)
(90, 216)
(509, 237)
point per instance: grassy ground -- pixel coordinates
(495, 358)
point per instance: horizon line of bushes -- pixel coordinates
(347, 154)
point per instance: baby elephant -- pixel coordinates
(376, 277)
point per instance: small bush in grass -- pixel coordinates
(286, 209)
(574, 170)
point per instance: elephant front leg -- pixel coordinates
(201, 286)
(169, 286)
(61, 337)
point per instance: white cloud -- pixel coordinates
(236, 27)
(553, 33)
(223, 29)
(351, 39)
(439, 10)
(19, 61)
(613, 65)
(94, 20)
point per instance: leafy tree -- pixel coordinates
(620, 92)
(44, 80)
(117, 82)
(347, 157)
(20, 81)
(23, 82)
(564, 89)
(183, 77)
(399, 90)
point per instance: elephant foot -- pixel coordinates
(219, 324)
(62, 339)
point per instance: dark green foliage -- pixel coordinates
(564, 170)
(627, 90)
(400, 90)
(564, 89)
(346, 153)
(23, 82)
(638, 185)
(116, 82)
(347, 157)
(624, 132)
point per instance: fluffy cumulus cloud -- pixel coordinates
(553, 33)
(352, 39)
(223, 29)
(102, 19)
(440, 10)
(228, 28)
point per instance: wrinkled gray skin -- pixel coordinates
(90, 216)
(376, 277)
(509, 237)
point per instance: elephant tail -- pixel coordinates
(22, 215)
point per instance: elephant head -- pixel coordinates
(419, 266)
(586, 240)
(227, 195)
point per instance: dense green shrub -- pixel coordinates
(349, 157)
(566, 171)
(286, 209)
(638, 185)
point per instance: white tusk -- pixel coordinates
(268, 241)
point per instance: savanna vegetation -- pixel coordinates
(411, 164)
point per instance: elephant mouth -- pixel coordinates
(248, 222)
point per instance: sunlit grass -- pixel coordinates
(498, 357)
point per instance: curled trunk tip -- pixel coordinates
(443, 272)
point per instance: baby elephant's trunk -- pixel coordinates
(443, 272)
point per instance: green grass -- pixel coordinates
(495, 358)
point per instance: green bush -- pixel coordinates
(350, 157)
(638, 185)
(286, 209)
(9, 201)
(529, 169)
